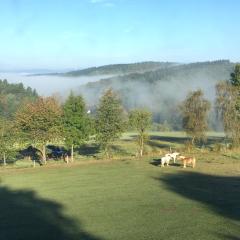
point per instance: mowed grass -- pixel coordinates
(124, 199)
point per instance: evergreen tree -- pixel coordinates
(235, 76)
(77, 124)
(109, 120)
(235, 81)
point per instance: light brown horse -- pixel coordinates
(188, 160)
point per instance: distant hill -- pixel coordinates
(161, 89)
(120, 69)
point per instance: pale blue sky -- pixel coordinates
(61, 34)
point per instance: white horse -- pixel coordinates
(172, 156)
(165, 159)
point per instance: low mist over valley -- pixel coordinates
(157, 86)
(162, 89)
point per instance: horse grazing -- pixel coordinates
(173, 156)
(165, 159)
(188, 160)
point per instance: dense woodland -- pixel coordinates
(120, 69)
(12, 96)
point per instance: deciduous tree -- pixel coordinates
(40, 123)
(140, 120)
(194, 115)
(6, 140)
(228, 105)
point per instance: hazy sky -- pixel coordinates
(79, 33)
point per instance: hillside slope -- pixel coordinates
(119, 69)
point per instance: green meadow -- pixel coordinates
(125, 197)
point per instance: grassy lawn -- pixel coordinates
(124, 198)
(128, 199)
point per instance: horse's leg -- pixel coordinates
(184, 164)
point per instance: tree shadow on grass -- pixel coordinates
(183, 140)
(25, 216)
(220, 193)
(157, 144)
(88, 150)
(120, 150)
(155, 162)
(180, 140)
(152, 141)
(29, 152)
(227, 236)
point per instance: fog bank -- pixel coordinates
(48, 85)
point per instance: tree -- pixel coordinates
(235, 76)
(228, 105)
(77, 124)
(109, 120)
(6, 140)
(39, 123)
(140, 120)
(194, 115)
(235, 82)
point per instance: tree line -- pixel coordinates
(44, 120)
